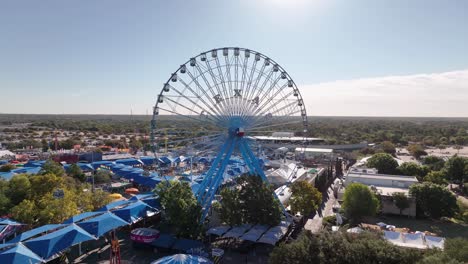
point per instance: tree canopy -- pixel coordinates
(433, 200)
(383, 162)
(412, 169)
(305, 198)
(253, 200)
(181, 209)
(359, 201)
(400, 200)
(342, 248)
(456, 169)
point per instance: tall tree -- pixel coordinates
(19, 188)
(433, 200)
(434, 163)
(359, 201)
(231, 211)
(437, 177)
(181, 209)
(383, 162)
(260, 206)
(388, 147)
(400, 200)
(416, 150)
(52, 167)
(456, 169)
(305, 198)
(412, 169)
(75, 172)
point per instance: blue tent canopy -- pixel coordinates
(182, 259)
(36, 231)
(141, 196)
(133, 212)
(147, 160)
(27, 170)
(165, 160)
(113, 205)
(98, 164)
(17, 254)
(131, 162)
(81, 216)
(164, 241)
(7, 221)
(6, 175)
(154, 202)
(85, 166)
(187, 244)
(48, 245)
(3, 162)
(102, 224)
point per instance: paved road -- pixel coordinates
(315, 224)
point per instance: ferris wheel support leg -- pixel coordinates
(208, 198)
(254, 166)
(210, 174)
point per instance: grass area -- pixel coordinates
(445, 229)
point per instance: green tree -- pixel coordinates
(44, 184)
(457, 248)
(400, 200)
(102, 176)
(433, 200)
(52, 167)
(306, 249)
(388, 147)
(7, 167)
(181, 208)
(383, 162)
(231, 211)
(437, 177)
(76, 172)
(5, 203)
(260, 206)
(305, 198)
(412, 169)
(57, 210)
(18, 188)
(338, 248)
(456, 170)
(416, 151)
(25, 212)
(434, 163)
(359, 201)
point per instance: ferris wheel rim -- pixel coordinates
(253, 53)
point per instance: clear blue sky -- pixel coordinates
(110, 56)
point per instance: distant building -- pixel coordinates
(385, 185)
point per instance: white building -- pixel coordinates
(385, 185)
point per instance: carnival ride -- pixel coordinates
(230, 93)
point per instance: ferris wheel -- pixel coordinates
(216, 102)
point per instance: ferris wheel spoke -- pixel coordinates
(251, 75)
(212, 112)
(209, 115)
(271, 89)
(194, 80)
(221, 77)
(221, 95)
(257, 80)
(276, 104)
(270, 99)
(210, 87)
(265, 80)
(201, 121)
